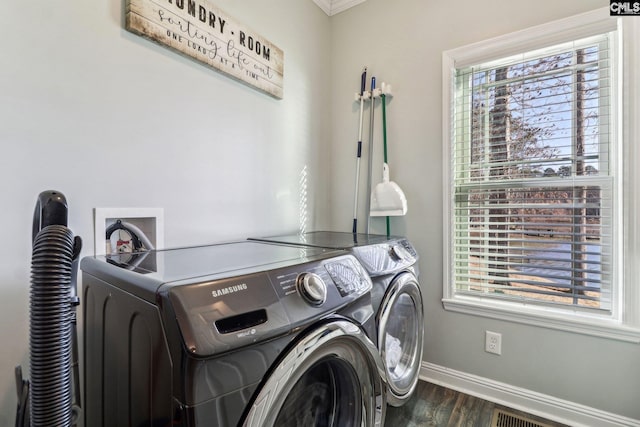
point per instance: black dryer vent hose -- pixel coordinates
(50, 333)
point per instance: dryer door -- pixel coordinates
(331, 376)
(400, 333)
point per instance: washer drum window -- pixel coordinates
(333, 376)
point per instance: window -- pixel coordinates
(534, 169)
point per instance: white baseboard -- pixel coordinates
(542, 405)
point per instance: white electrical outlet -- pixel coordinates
(493, 342)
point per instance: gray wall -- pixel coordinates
(113, 120)
(402, 43)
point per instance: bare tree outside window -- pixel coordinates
(533, 202)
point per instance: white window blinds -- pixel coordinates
(533, 184)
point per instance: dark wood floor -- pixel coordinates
(432, 405)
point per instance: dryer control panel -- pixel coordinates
(388, 257)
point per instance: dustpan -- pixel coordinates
(387, 198)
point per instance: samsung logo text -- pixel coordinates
(229, 290)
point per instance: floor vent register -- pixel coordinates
(502, 418)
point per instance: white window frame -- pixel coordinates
(623, 323)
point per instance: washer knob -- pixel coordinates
(400, 253)
(312, 288)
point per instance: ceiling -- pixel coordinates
(331, 7)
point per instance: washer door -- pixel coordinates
(400, 333)
(332, 376)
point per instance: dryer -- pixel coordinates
(243, 333)
(391, 262)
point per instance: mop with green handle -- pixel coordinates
(387, 199)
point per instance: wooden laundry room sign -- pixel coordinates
(200, 30)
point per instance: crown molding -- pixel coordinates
(332, 7)
(325, 5)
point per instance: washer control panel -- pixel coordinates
(309, 291)
(312, 288)
(224, 314)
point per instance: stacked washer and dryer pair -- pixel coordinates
(265, 332)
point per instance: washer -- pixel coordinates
(243, 333)
(391, 262)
